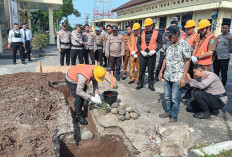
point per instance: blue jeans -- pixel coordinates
(172, 95)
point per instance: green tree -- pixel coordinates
(40, 21)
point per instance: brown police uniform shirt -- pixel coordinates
(115, 46)
(212, 42)
(126, 39)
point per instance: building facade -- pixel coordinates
(18, 11)
(164, 11)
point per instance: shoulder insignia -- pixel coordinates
(211, 41)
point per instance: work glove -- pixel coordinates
(95, 100)
(135, 56)
(151, 53)
(194, 59)
(144, 53)
(133, 52)
(98, 97)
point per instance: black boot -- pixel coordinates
(123, 78)
(188, 94)
(202, 115)
(151, 87)
(29, 59)
(81, 120)
(139, 86)
(23, 62)
(130, 82)
(117, 78)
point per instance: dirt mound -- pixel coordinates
(28, 108)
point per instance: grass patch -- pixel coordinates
(222, 154)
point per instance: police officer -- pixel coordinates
(108, 33)
(126, 39)
(210, 94)
(64, 44)
(115, 50)
(17, 42)
(88, 38)
(77, 46)
(205, 45)
(77, 79)
(190, 36)
(27, 37)
(223, 50)
(99, 45)
(148, 43)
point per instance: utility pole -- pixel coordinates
(86, 18)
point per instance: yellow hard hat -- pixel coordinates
(99, 73)
(148, 22)
(203, 23)
(136, 26)
(190, 24)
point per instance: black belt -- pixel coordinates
(221, 95)
(77, 46)
(64, 43)
(100, 45)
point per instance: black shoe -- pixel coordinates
(105, 65)
(137, 83)
(151, 87)
(82, 120)
(23, 62)
(29, 60)
(202, 115)
(14, 63)
(139, 86)
(130, 82)
(123, 78)
(187, 94)
(117, 78)
(214, 112)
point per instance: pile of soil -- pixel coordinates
(28, 108)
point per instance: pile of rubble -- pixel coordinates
(124, 112)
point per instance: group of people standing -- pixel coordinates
(185, 60)
(20, 40)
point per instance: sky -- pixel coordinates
(86, 6)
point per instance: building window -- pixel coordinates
(174, 2)
(186, 0)
(182, 1)
(156, 6)
(153, 7)
(165, 4)
(161, 5)
(178, 2)
(168, 4)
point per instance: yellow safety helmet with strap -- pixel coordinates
(136, 26)
(99, 73)
(148, 22)
(190, 24)
(203, 23)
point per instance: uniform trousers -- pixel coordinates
(115, 64)
(18, 46)
(74, 54)
(89, 53)
(65, 53)
(125, 63)
(134, 62)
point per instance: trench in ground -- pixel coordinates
(99, 146)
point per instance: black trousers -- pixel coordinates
(74, 54)
(204, 102)
(78, 101)
(18, 46)
(161, 59)
(86, 55)
(115, 64)
(221, 65)
(65, 52)
(149, 62)
(105, 60)
(28, 49)
(99, 56)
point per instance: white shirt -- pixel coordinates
(28, 34)
(12, 37)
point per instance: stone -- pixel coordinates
(114, 111)
(115, 105)
(167, 129)
(137, 111)
(87, 135)
(121, 107)
(122, 112)
(121, 117)
(85, 129)
(133, 115)
(129, 109)
(127, 116)
(176, 144)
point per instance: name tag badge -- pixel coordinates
(211, 42)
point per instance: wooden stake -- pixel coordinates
(40, 67)
(112, 79)
(96, 63)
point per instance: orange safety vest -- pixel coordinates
(133, 44)
(83, 69)
(200, 49)
(191, 39)
(152, 44)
